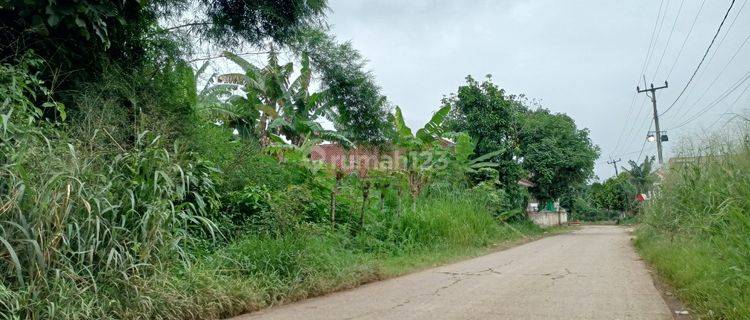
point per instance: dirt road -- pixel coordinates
(592, 273)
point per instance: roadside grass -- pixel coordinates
(701, 273)
(135, 243)
(696, 232)
(255, 271)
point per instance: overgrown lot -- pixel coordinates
(137, 184)
(695, 232)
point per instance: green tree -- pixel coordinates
(616, 193)
(641, 175)
(79, 40)
(491, 117)
(358, 108)
(557, 155)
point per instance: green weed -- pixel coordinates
(695, 231)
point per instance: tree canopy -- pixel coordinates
(615, 193)
(640, 174)
(491, 118)
(548, 148)
(556, 154)
(360, 109)
(78, 39)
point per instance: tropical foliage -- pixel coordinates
(641, 175)
(547, 148)
(695, 231)
(137, 182)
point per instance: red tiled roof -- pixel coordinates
(357, 159)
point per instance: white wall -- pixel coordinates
(548, 219)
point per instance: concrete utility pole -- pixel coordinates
(656, 113)
(614, 163)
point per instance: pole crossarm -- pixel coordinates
(614, 164)
(653, 90)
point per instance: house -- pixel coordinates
(360, 160)
(363, 160)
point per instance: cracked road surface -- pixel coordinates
(592, 273)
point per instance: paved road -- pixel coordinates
(592, 273)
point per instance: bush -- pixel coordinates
(99, 219)
(257, 270)
(245, 209)
(449, 219)
(695, 231)
(90, 234)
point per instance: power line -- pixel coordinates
(628, 153)
(652, 42)
(669, 38)
(687, 110)
(638, 119)
(682, 47)
(624, 124)
(726, 34)
(716, 102)
(721, 116)
(651, 45)
(721, 97)
(703, 58)
(619, 155)
(724, 114)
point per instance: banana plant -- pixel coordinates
(415, 170)
(464, 149)
(266, 90)
(210, 102)
(283, 107)
(425, 137)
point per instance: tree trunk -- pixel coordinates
(400, 195)
(365, 197)
(338, 175)
(382, 199)
(333, 205)
(262, 134)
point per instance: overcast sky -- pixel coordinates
(580, 57)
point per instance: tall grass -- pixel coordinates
(98, 219)
(696, 232)
(74, 236)
(260, 270)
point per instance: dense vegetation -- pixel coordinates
(133, 184)
(615, 198)
(695, 231)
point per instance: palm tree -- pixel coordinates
(640, 174)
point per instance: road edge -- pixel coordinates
(551, 232)
(676, 307)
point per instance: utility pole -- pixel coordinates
(614, 163)
(656, 113)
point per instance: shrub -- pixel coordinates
(249, 207)
(695, 231)
(92, 234)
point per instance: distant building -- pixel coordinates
(364, 159)
(551, 214)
